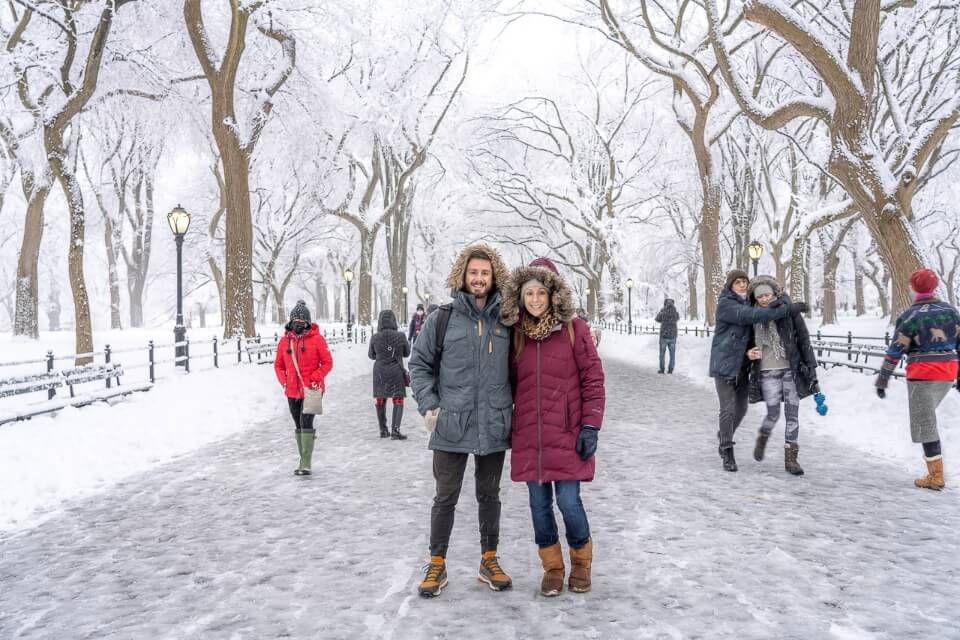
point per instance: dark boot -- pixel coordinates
(729, 463)
(395, 424)
(382, 420)
(790, 451)
(761, 446)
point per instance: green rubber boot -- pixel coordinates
(296, 471)
(307, 439)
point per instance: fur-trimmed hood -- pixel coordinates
(561, 297)
(477, 250)
(768, 280)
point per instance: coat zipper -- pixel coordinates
(539, 423)
(476, 388)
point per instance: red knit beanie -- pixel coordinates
(924, 280)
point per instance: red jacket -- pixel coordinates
(313, 357)
(558, 388)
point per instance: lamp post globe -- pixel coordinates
(755, 250)
(348, 278)
(179, 221)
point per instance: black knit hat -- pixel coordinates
(420, 307)
(300, 312)
(735, 275)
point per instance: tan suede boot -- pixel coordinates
(934, 478)
(552, 559)
(580, 562)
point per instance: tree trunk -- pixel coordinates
(25, 322)
(139, 265)
(692, 311)
(53, 308)
(709, 228)
(238, 243)
(861, 305)
(365, 284)
(218, 280)
(81, 303)
(323, 303)
(113, 273)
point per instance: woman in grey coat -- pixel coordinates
(388, 348)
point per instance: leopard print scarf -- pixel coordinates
(539, 328)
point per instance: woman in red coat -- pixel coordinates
(302, 341)
(558, 409)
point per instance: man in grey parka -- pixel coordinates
(468, 406)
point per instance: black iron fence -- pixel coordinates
(864, 353)
(153, 360)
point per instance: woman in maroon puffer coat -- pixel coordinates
(558, 410)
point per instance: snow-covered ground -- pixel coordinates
(81, 452)
(856, 417)
(226, 543)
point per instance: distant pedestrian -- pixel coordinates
(303, 359)
(668, 317)
(559, 402)
(729, 364)
(462, 385)
(388, 348)
(784, 373)
(928, 334)
(416, 324)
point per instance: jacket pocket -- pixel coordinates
(452, 425)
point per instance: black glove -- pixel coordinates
(587, 442)
(881, 393)
(798, 308)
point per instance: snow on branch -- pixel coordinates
(804, 107)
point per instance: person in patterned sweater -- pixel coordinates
(928, 334)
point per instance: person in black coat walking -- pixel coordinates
(388, 348)
(416, 324)
(729, 364)
(783, 372)
(668, 318)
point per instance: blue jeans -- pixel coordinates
(671, 344)
(571, 508)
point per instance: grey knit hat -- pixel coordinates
(763, 289)
(532, 282)
(300, 312)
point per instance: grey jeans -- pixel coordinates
(733, 395)
(925, 396)
(778, 386)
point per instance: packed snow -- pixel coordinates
(186, 522)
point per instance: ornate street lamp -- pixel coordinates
(755, 249)
(405, 290)
(629, 284)
(179, 221)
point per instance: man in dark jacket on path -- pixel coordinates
(729, 364)
(668, 318)
(467, 405)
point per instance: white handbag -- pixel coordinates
(312, 398)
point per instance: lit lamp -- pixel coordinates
(629, 284)
(405, 290)
(179, 221)
(755, 249)
(348, 278)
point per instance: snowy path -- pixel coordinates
(226, 543)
